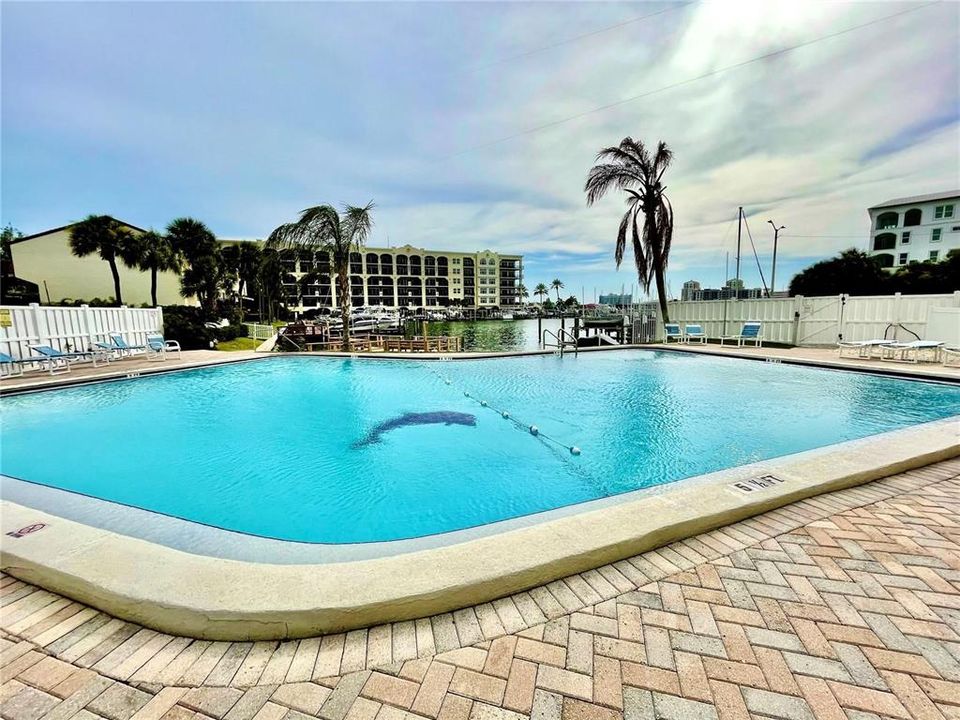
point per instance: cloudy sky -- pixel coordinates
(473, 125)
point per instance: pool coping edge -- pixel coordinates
(201, 596)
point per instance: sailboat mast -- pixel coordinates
(739, 219)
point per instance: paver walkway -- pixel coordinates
(845, 606)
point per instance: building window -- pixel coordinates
(942, 211)
(905, 239)
(887, 220)
(885, 241)
(903, 259)
(885, 260)
(912, 217)
(935, 235)
(934, 255)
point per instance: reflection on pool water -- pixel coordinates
(279, 447)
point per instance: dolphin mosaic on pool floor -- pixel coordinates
(846, 605)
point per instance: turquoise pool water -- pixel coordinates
(287, 447)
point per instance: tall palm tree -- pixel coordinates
(557, 285)
(242, 264)
(204, 273)
(323, 228)
(154, 253)
(522, 291)
(541, 291)
(107, 237)
(631, 168)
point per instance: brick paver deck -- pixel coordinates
(845, 606)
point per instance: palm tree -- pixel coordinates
(522, 291)
(541, 291)
(323, 228)
(556, 284)
(629, 167)
(204, 273)
(107, 237)
(242, 261)
(151, 252)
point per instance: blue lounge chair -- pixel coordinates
(750, 332)
(671, 331)
(157, 347)
(10, 366)
(57, 362)
(694, 333)
(123, 347)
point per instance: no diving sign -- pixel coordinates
(26, 530)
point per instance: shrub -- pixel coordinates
(231, 332)
(185, 324)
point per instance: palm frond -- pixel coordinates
(606, 176)
(665, 225)
(641, 255)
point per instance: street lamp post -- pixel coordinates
(773, 273)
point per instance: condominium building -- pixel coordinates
(406, 277)
(915, 229)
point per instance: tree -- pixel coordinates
(630, 167)
(522, 292)
(108, 238)
(242, 260)
(323, 228)
(154, 253)
(852, 272)
(541, 291)
(557, 285)
(204, 274)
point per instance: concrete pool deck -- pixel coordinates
(840, 607)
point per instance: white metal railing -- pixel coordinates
(72, 328)
(813, 321)
(260, 332)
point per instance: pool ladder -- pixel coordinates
(561, 339)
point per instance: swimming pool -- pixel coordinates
(346, 451)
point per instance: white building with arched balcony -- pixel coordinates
(915, 229)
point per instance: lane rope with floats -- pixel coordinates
(520, 425)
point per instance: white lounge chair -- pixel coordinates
(864, 348)
(750, 332)
(157, 347)
(915, 352)
(671, 331)
(694, 333)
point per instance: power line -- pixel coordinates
(712, 73)
(575, 38)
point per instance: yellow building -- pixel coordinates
(45, 259)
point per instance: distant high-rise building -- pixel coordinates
(732, 288)
(690, 290)
(617, 300)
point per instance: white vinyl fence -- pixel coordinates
(72, 328)
(812, 321)
(260, 332)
